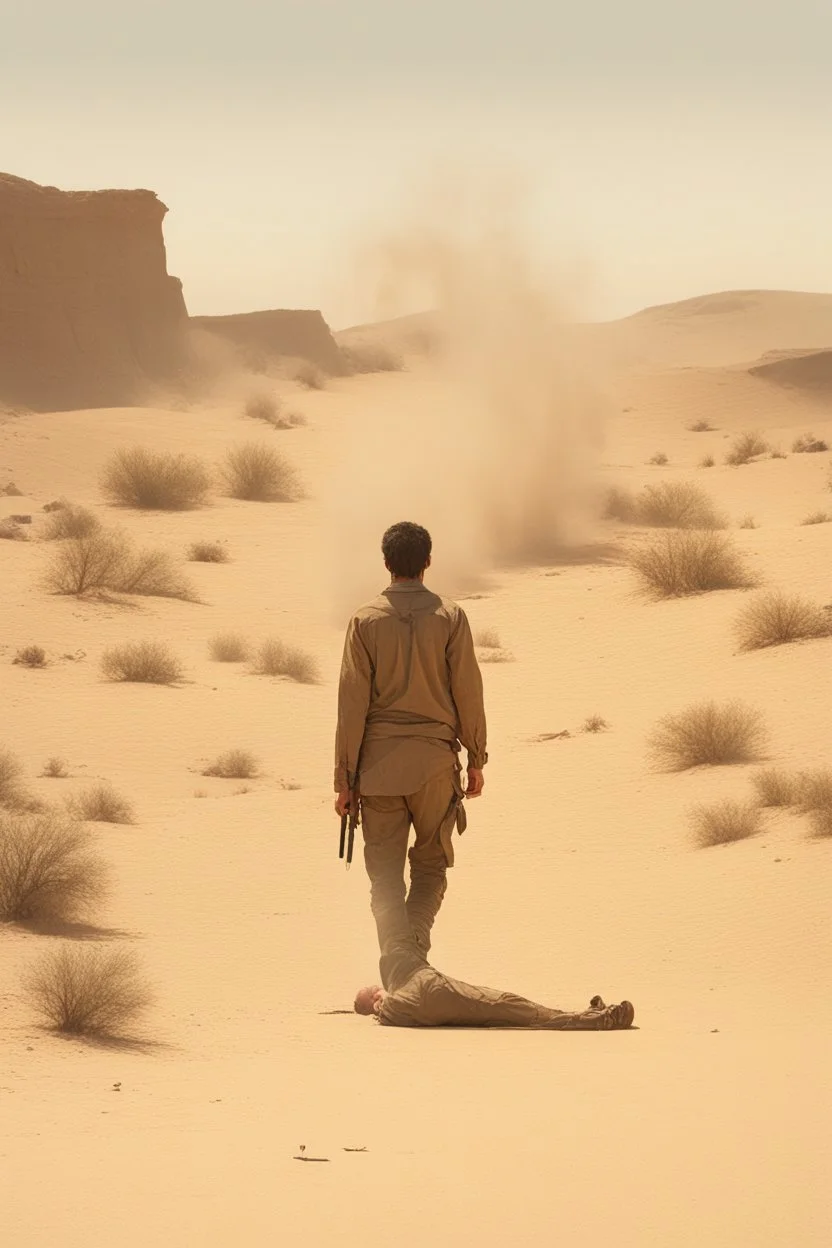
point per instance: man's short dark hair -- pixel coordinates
(406, 548)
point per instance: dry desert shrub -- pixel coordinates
(776, 787)
(275, 658)
(689, 561)
(775, 619)
(496, 656)
(620, 505)
(820, 821)
(310, 377)
(707, 735)
(707, 461)
(70, 521)
(234, 765)
(155, 480)
(269, 408)
(724, 822)
(11, 490)
(48, 873)
(142, 662)
(814, 789)
(817, 517)
(808, 443)
(100, 803)
(228, 648)
(677, 505)
(106, 561)
(745, 447)
(12, 792)
(776, 453)
(701, 426)
(594, 723)
(55, 769)
(208, 552)
(89, 991)
(11, 532)
(659, 459)
(748, 522)
(488, 638)
(257, 473)
(30, 656)
(371, 358)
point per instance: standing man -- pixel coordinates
(410, 694)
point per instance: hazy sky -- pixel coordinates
(667, 148)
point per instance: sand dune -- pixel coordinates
(578, 874)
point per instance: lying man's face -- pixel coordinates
(367, 1000)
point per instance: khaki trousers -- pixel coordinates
(404, 917)
(431, 999)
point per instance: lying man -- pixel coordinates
(426, 998)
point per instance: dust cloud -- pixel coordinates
(492, 439)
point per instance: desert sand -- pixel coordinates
(706, 1124)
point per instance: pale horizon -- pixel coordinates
(663, 156)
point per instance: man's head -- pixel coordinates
(406, 548)
(366, 998)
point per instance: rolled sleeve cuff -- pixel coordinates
(477, 759)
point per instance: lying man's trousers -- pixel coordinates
(403, 916)
(431, 999)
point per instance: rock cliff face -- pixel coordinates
(260, 339)
(88, 314)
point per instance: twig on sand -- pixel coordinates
(301, 1156)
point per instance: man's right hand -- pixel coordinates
(476, 782)
(343, 802)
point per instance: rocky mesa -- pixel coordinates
(88, 313)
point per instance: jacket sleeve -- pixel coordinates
(354, 689)
(466, 689)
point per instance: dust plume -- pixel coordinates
(491, 440)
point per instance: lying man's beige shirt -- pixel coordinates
(410, 693)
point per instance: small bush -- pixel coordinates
(31, 656)
(707, 461)
(775, 619)
(776, 453)
(11, 532)
(106, 561)
(12, 793)
(620, 505)
(142, 662)
(808, 443)
(748, 522)
(47, 870)
(274, 658)
(776, 787)
(257, 473)
(84, 990)
(488, 638)
(814, 790)
(817, 517)
(496, 656)
(70, 521)
(55, 769)
(234, 765)
(228, 648)
(701, 426)
(12, 491)
(689, 561)
(594, 723)
(310, 377)
(659, 459)
(707, 735)
(745, 447)
(101, 804)
(208, 552)
(270, 408)
(155, 480)
(677, 505)
(724, 822)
